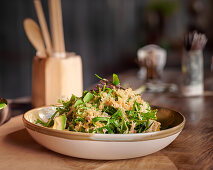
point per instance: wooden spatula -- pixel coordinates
(56, 23)
(34, 35)
(43, 25)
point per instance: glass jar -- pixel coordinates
(192, 70)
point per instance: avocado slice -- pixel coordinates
(60, 122)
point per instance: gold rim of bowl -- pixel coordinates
(172, 121)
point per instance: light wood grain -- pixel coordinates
(34, 35)
(38, 82)
(71, 75)
(43, 24)
(55, 78)
(52, 80)
(56, 22)
(63, 78)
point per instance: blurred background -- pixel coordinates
(106, 33)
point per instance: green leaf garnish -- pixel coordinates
(98, 77)
(115, 80)
(99, 119)
(109, 109)
(88, 97)
(85, 92)
(38, 121)
(80, 119)
(78, 102)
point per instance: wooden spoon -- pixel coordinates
(34, 35)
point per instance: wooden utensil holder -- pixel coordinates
(55, 78)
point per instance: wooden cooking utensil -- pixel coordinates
(56, 23)
(43, 25)
(33, 33)
(58, 76)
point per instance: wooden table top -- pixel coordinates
(192, 149)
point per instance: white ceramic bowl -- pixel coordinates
(104, 146)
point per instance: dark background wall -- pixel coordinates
(106, 33)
